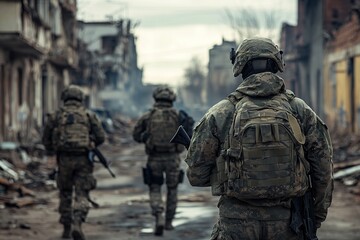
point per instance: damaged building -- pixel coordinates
(24, 40)
(342, 74)
(112, 46)
(37, 59)
(306, 45)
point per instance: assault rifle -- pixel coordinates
(181, 137)
(303, 216)
(309, 217)
(96, 152)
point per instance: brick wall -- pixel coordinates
(347, 35)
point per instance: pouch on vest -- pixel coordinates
(162, 126)
(73, 131)
(264, 157)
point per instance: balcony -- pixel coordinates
(64, 57)
(19, 32)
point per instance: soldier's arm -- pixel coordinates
(318, 152)
(97, 132)
(202, 152)
(140, 128)
(48, 132)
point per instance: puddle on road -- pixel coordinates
(187, 213)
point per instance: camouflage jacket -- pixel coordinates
(97, 133)
(140, 133)
(209, 137)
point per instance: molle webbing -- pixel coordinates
(256, 183)
(261, 155)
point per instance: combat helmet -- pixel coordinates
(256, 48)
(164, 93)
(72, 92)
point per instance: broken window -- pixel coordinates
(109, 44)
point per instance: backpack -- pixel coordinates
(264, 153)
(163, 123)
(72, 133)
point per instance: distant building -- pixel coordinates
(113, 46)
(288, 46)
(220, 81)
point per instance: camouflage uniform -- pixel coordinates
(74, 168)
(259, 218)
(160, 163)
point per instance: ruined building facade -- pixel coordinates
(342, 74)
(37, 58)
(112, 46)
(307, 47)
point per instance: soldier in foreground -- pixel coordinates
(155, 128)
(265, 152)
(71, 132)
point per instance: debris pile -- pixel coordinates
(22, 175)
(347, 160)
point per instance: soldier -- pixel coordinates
(71, 132)
(155, 128)
(263, 150)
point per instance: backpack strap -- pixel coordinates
(295, 127)
(219, 177)
(298, 134)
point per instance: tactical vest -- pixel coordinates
(163, 123)
(72, 133)
(263, 154)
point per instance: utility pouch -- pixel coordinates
(181, 176)
(146, 175)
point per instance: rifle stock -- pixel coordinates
(181, 137)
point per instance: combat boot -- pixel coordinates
(77, 233)
(168, 224)
(67, 231)
(159, 224)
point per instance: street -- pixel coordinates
(124, 211)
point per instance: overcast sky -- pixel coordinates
(171, 32)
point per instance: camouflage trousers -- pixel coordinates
(74, 176)
(245, 229)
(168, 165)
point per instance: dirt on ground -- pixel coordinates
(124, 212)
